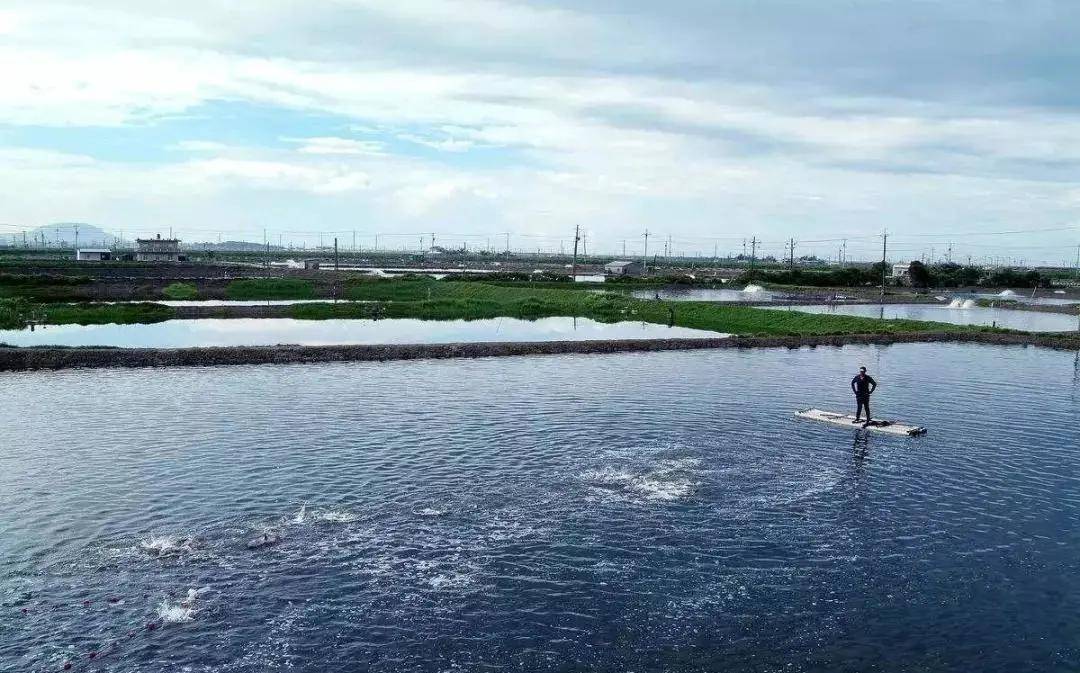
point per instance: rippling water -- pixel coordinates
(273, 331)
(636, 512)
(1029, 321)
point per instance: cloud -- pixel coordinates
(199, 146)
(328, 145)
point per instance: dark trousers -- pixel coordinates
(863, 402)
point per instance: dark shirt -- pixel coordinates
(863, 385)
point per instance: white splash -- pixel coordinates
(753, 289)
(184, 611)
(164, 545)
(299, 518)
(431, 511)
(336, 516)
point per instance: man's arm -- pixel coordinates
(873, 384)
(853, 388)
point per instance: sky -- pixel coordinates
(943, 122)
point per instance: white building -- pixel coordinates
(901, 270)
(93, 255)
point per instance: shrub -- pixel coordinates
(180, 291)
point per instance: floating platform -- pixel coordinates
(848, 420)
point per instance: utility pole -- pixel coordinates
(843, 248)
(376, 242)
(433, 240)
(577, 237)
(77, 237)
(354, 240)
(585, 245)
(791, 258)
(714, 246)
(753, 253)
(645, 254)
(624, 247)
(335, 254)
(884, 263)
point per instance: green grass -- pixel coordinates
(180, 291)
(101, 314)
(270, 288)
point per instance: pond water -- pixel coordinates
(703, 294)
(1023, 297)
(273, 331)
(1029, 321)
(635, 512)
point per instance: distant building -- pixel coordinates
(93, 255)
(901, 270)
(157, 249)
(621, 268)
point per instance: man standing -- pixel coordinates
(863, 385)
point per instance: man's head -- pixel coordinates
(862, 371)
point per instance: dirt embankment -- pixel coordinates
(17, 359)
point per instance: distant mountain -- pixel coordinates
(63, 234)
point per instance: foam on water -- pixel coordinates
(659, 485)
(336, 516)
(167, 545)
(962, 303)
(183, 611)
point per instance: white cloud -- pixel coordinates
(331, 145)
(442, 145)
(200, 146)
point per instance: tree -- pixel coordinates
(919, 274)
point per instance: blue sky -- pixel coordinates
(703, 121)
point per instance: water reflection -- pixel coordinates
(1029, 321)
(272, 331)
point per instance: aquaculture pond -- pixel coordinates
(274, 331)
(1030, 321)
(705, 294)
(1023, 297)
(635, 512)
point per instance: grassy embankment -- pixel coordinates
(270, 288)
(180, 291)
(428, 299)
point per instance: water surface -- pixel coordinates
(274, 331)
(637, 512)
(1030, 321)
(703, 294)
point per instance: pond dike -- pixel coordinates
(21, 359)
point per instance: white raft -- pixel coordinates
(848, 420)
